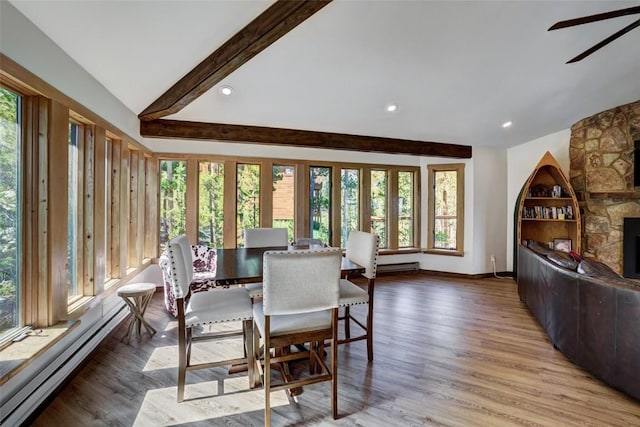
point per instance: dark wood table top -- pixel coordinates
(244, 265)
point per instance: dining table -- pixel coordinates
(236, 266)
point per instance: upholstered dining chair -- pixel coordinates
(262, 238)
(206, 308)
(362, 248)
(300, 305)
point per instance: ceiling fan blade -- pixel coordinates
(605, 42)
(594, 18)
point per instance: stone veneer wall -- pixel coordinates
(601, 173)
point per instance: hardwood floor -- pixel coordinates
(448, 352)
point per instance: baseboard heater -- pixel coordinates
(33, 394)
(398, 267)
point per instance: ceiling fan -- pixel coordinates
(595, 18)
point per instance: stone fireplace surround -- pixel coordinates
(601, 153)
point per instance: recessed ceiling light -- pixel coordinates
(391, 108)
(506, 124)
(226, 90)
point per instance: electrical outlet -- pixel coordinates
(493, 258)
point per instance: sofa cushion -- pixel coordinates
(592, 267)
(539, 248)
(563, 259)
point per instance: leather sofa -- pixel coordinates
(592, 315)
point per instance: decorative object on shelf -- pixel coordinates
(563, 245)
(547, 208)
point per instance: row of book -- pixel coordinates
(548, 212)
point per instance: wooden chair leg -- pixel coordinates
(334, 366)
(370, 331)
(182, 363)
(347, 323)
(267, 375)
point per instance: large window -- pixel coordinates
(405, 209)
(173, 187)
(74, 211)
(248, 199)
(379, 205)
(446, 211)
(320, 203)
(283, 179)
(211, 204)
(350, 203)
(10, 210)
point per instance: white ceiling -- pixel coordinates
(456, 69)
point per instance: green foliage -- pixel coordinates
(9, 207)
(379, 205)
(320, 181)
(211, 204)
(248, 198)
(173, 186)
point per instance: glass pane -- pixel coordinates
(211, 204)
(379, 205)
(405, 209)
(173, 200)
(248, 199)
(320, 203)
(445, 233)
(446, 193)
(284, 199)
(72, 213)
(350, 207)
(10, 212)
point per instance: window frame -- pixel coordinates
(458, 168)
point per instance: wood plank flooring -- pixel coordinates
(448, 352)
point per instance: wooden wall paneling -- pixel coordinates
(336, 206)
(230, 205)
(100, 210)
(134, 207)
(392, 209)
(152, 207)
(43, 311)
(123, 215)
(192, 201)
(266, 193)
(365, 199)
(116, 166)
(302, 210)
(89, 217)
(58, 199)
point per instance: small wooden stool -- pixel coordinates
(137, 297)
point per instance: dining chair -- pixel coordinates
(300, 305)
(206, 308)
(362, 248)
(262, 238)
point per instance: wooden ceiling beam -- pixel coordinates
(178, 129)
(269, 26)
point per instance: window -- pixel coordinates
(446, 208)
(350, 203)
(248, 199)
(284, 199)
(74, 213)
(10, 211)
(211, 204)
(320, 203)
(405, 209)
(173, 187)
(379, 205)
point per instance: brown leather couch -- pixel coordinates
(590, 315)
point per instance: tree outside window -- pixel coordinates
(446, 198)
(173, 213)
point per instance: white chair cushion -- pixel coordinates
(265, 237)
(351, 294)
(292, 323)
(217, 306)
(254, 289)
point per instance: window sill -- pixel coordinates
(19, 355)
(446, 252)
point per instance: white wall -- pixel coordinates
(25, 44)
(521, 161)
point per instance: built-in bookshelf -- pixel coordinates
(547, 210)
